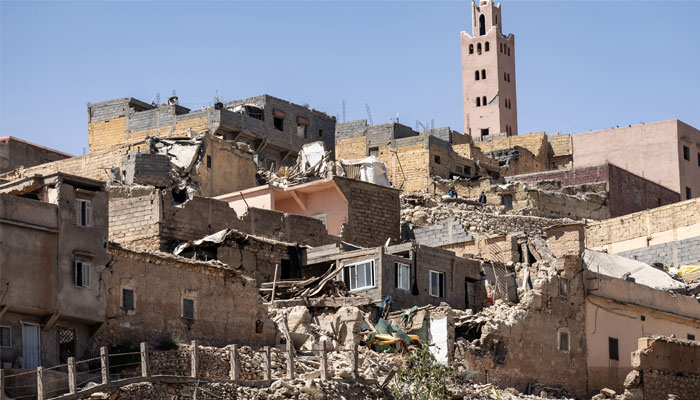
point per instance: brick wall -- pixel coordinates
(646, 228)
(374, 213)
(628, 192)
(676, 253)
(350, 148)
(134, 216)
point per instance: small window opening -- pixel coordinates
(82, 274)
(691, 336)
(486, 46)
(483, 100)
(482, 25)
(686, 153)
(437, 284)
(485, 132)
(208, 161)
(688, 193)
(402, 277)
(5, 336)
(613, 351)
(259, 326)
(437, 159)
(188, 308)
(128, 299)
(320, 133)
(478, 101)
(564, 341)
(83, 212)
(483, 74)
(471, 49)
(467, 170)
(698, 159)
(279, 123)
(508, 50)
(478, 48)
(458, 169)
(476, 75)
(501, 46)
(301, 131)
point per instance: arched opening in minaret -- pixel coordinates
(486, 46)
(478, 102)
(476, 75)
(482, 25)
(478, 48)
(483, 74)
(483, 100)
(471, 49)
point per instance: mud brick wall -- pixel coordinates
(645, 225)
(374, 213)
(227, 307)
(665, 366)
(351, 148)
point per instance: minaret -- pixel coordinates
(488, 75)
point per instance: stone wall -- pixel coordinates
(227, 307)
(663, 367)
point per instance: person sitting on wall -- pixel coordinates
(482, 198)
(452, 192)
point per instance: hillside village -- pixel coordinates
(261, 249)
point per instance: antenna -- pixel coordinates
(343, 110)
(432, 123)
(369, 114)
(158, 98)
(396, 118)
(421, 125)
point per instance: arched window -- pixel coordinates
(478, 48)
(482, 25)
(504, 77)
(501, 46)
(486, 46)
(478, 102)
(483, 100)
(483, 74)
(509, 77)
(476, 75)
(496, 18)
(509, 51)
(471, 49)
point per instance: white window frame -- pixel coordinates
(430, 284)
(79, 212)
(352, 275)
(9, 329)
(86, 269)
(398, 268)
(194, 308)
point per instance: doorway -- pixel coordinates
(30, 346)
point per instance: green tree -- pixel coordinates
(424, 378)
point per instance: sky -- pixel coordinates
(580, 65)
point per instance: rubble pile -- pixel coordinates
(422, 209)
(313, 162)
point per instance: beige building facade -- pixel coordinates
(665, 152)
(488, 75)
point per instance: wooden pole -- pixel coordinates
(104, 359)
(145, 367)
(235, 364)
(324, 361)
(268, 367)
(274, 284)
(290, 360)
(355, 362)
(40, 390)
(72, 378)
(194, 370)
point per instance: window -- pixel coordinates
(686, 153)
(471, 49)
(478, 48)
(483, 100)
(66, 343)
(564, 287)
(374, 151)
(5, 336)
(437, 284)
(505, 78)
(478, 101)
(485, 132)
(467, 170)
(508, 52)
(458, 169)
(83, 212)
(688, 193)
(208, 161)
(82, 274)
(437, 159)
(360, 275)
(486, 46)
(698, 159)
(563, 341)
(403, 276)
(320, 133)
(279, 123)
(613, 352)
(501, 46)
(187, 308)
(691, 336)
(483, 74)
(476, 75)
(482, 25)
(128, 299)
(301, 131)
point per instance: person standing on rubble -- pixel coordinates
(482, 198)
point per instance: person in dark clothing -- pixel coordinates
(452, 192)
(482, 198)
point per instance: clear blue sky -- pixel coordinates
(580, 65)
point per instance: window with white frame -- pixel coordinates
(360, 275)
(83, 212)
(437, 284)
(82, 273)
(403, 276)
(5, 336)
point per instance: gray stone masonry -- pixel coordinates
(681, 252)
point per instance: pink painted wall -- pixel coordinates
(653, 151)
(325, 198)
(257, 197)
